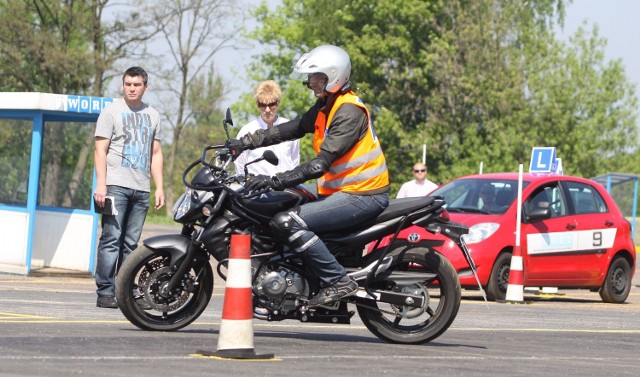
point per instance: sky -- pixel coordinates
(616, 20)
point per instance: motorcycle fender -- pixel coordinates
(175, 244)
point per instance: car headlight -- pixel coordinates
(480, 232)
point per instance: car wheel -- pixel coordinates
(499, 279)
(617, 284)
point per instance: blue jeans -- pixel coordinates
(329, 214)
(120, 235)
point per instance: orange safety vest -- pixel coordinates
(361, 169)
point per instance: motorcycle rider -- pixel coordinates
(352, 177)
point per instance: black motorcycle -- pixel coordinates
(409, 293)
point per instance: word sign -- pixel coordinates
(86, 104)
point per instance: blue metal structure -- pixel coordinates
(611, 180)
(40, 108)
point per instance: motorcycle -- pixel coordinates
(408, 292)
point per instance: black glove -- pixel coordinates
(263, 182)
(236, 147)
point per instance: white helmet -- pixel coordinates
(328, 59)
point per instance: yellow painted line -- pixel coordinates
(320, 326)
(33, 289)
(42, 281)
(611, 331)
(62, 321)
(4, 315)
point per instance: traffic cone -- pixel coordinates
(235, 339)
(515, 288)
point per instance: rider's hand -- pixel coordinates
(262, 182)
(235, 147)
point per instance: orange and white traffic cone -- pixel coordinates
(515, 288)
(235, 339)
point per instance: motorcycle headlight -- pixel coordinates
(480, 232)
(182, 205)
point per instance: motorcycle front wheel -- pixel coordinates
(440, 290)
(144, 300)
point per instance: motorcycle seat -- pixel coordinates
(402, 206)
(396, 209)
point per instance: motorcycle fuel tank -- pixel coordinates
(268, 204)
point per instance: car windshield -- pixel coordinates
(479, 195)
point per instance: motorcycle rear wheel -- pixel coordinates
(140, 280)
(440, 290)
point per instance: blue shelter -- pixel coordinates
(46, 206)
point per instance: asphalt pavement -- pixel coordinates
(50, 326)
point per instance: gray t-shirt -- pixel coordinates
(132, 131)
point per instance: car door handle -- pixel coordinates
(608, 223)
(571, 226)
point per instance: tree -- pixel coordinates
(476, 81)
(505, 89)
(65, 47)
(193, 31)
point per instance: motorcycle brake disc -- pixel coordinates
(156, 283)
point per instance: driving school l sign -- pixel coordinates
(544, 160)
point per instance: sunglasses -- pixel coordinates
(265, 105)
(419, 171)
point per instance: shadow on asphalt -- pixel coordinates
(319, 337)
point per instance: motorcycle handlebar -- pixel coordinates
(224, 154)
(205, 150)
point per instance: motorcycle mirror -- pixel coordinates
(227, 122)
(270, 157)
(227, 117)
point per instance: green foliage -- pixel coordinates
(15, 142)
(63, 47)
(66, 175)
(476, 81)
(159, 218)
(204, 129)
(50, 51)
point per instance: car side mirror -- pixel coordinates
(540, 212)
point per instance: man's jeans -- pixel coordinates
(328, 214)
(120, 235)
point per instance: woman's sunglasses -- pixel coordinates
(271, 105)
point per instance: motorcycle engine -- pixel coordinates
(279, 289)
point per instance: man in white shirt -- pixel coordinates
(267, 95)
(420, 186)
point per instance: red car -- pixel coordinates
(572, 234)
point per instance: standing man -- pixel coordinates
(420, 186)
(267, 95)
(127, 154)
